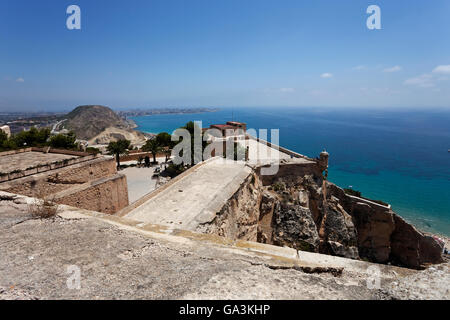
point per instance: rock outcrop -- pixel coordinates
(89, 122)
(298, 208)
(295, 227)
(114, 134)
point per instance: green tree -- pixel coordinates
(64, 141)
(3, 136)
(165, 141)
(118, 148)
(191, 127)
(32, 138)
(152, 146)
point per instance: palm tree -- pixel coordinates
(153, 146)
(118, 148)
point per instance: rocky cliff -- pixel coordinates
(299, 208)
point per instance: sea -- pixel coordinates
(400, 156)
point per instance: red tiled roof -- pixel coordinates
(222, 126)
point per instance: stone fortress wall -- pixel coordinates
(66, 177)
(295, 207)
(298, 208)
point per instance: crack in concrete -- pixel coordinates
(336, 272)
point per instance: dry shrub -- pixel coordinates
(44, 207)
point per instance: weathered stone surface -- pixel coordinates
(412, 248)
(337, 232)
(384, 237)
(117, 262)
(267, 206)
(238, 218)
(295, 227)
(374, 231)
(433, 284)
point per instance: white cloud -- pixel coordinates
(442, 69)
(423, 81)
(20, 80)
(287, 90)
(326, 75)
(429, 80)
(393, 69)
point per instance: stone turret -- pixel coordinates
(323, 160)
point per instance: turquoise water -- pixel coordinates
(396, 156)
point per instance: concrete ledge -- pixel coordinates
(18, 174)
(209, 213)
(87, 185)
(283, 256)
(274, 256)
(44, 171)
(61, 151)
(154, 193)
(281, 149)
(8, 153)
(358, 199)
(267, 249)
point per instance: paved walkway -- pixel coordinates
(140, 182)
(196, 198)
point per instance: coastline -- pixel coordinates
(412, 190)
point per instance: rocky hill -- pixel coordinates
(89, 121)
(100, 125)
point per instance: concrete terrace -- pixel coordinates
(21, 161)
(195, 198)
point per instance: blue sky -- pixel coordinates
(144, 53)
